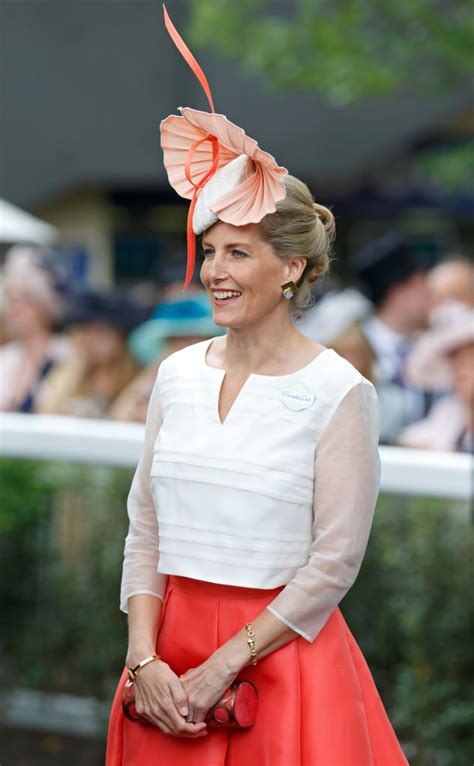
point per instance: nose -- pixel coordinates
(215, 268)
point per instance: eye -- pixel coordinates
(239, 253)
(207, 252)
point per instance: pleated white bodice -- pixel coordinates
(235, 500)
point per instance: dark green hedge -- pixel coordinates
(61, 540)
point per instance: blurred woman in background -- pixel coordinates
(442, 361)
(34, 291)
(87, 384)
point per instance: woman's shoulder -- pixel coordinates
(334, 382)
(336, 374)
(341, 388)
(185, 362)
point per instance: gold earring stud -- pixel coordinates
(289, 290)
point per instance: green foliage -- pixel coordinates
(450, 168)
(62, 530)
(412, 613)
(345, 50)
(61, 540)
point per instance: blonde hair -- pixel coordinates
(301, 227)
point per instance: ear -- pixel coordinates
(294, 268)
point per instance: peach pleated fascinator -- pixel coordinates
(211, 162)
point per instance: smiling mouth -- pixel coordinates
(222, 297)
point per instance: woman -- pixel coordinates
(442, 361)
(88, 384)
(252, 503)
(35, 289)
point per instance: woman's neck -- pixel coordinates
(270, 347)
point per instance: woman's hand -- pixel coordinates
(160, 696)
(205, 685)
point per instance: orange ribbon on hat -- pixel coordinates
(191, 239)
(193, 64)
(194, 135)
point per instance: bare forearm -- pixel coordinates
(143, 619)
(270, 634)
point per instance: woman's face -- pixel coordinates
(97, 343)
(23, 314)
(243, 275)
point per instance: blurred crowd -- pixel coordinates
(405, 320)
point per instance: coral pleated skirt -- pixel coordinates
(318, 703)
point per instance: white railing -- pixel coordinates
(404, 472)
(77, 440)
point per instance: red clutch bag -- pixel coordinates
(237, 708)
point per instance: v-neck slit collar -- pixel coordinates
(220, 373)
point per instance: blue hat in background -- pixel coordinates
(173, 319)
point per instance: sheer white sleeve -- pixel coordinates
(347, 480)
(141, 554)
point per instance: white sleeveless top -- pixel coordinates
(244, 502)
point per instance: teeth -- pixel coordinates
(220, 295)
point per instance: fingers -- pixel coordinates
(196, 712)
(180, 698)
(192, 712)
(186, 730)
(178, 727)
(189, 731)
(181, 727)
(193, 730)
(199, 716)
(163, 714)
(184, 708)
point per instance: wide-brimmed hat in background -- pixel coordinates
(186, 317)
(428, 364)
(333, 314)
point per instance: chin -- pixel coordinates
(223, 316)
(222, 322)
(234, 325)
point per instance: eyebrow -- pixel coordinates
(230, 246)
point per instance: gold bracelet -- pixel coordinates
(133, 672)
(251, 643)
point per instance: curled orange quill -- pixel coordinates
(200, 145)
(191, 61)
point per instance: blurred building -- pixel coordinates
(85, 86)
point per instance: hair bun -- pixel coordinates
(313, 274)
(326, 218)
